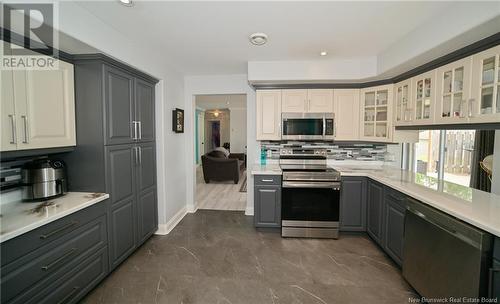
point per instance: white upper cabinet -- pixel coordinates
(485, 102)
(423, 96)
(38, 108)
(7, 111)
(46, 111)
(320, 101)
(268, 115)
(346, 114)
(403, 105)
(375, 113)
(453, 92)
(294, 101)
(307, 101)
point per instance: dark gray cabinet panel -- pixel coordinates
(147, 218)
(353, 204)
(120, 109)
(495, 280)
(123, 231)
(146, 166)
(267, 205)
(375, 211)
(394, 229)
(145, 109)
(120, 171)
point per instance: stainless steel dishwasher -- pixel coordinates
(442, 256)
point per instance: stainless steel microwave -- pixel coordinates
(307, 126)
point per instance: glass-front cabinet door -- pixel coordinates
(423, 87)
(453, 92)
(402, 103)
(376, 105)
(485, 102)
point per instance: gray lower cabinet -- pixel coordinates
(68, 261)
(267, 201)
(353, 204)
(394, 219)
(147, 205)
(375, 206)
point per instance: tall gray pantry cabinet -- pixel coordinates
(115, 152)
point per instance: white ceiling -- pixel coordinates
(212, 37)
(213, 102)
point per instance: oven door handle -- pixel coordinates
(325, 185)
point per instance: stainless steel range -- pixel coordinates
(310, 194)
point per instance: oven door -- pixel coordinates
(310, 204)
(296, 126)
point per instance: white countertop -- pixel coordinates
(268, 169)
(478, 208)
(21, 217)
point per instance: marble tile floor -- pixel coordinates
(224, 195)
(219, 257)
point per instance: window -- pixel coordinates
(427, 153)
(445, 155)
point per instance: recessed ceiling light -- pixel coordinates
(127, 2)
(323, 53)
(258, 38)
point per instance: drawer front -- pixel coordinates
(395, 196)
(36, 269)
(267, 180)
(73, 286)
(52, 233)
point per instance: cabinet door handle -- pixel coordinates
(25, 124)
(69, 295)
(13, 131)
(134, 130)
(140, 129)
(268, 180)
(59, 259)
(46, 236)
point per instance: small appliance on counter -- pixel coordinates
(43, 179)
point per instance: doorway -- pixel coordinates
(221, 173)
(214, 134)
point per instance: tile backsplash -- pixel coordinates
(360, 152)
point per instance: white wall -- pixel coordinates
(78, 23)
(218, 84)
(238, 130)
(311, 71)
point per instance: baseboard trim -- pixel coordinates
(191, 209)
(249, 211)
(164, 229)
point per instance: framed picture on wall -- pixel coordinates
(178, 120)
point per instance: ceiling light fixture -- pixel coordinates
(323, 53)
(216, 113)
(127, 2)
(258, 38)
